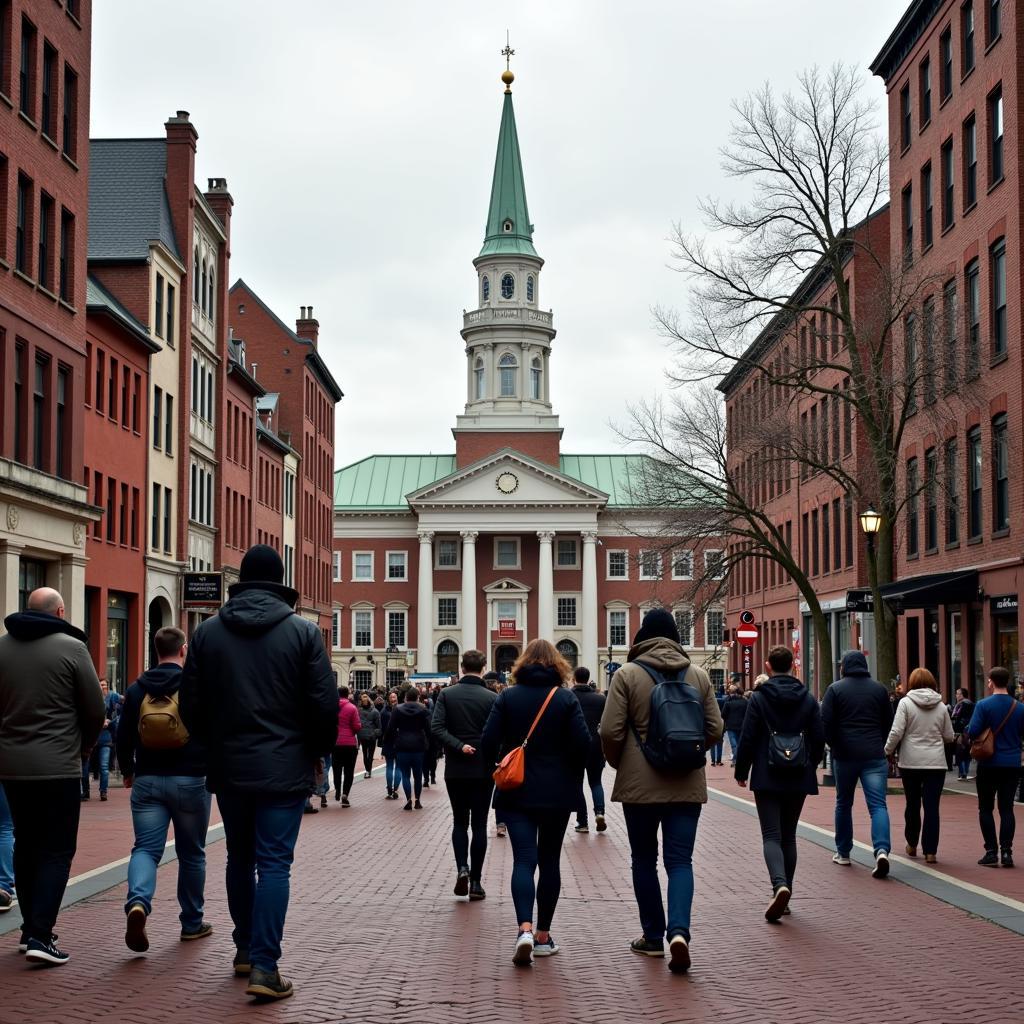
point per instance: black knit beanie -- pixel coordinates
(657, 622)
(261, 563)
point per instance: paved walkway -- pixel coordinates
(374, 935)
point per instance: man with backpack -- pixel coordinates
(660, 717)
(165, 768)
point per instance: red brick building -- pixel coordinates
(952, 71)
(44, 167)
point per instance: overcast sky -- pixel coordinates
(358, 142)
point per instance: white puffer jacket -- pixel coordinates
(921, 730)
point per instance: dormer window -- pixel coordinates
(507, 369)
(529, 288)
(508, 286)
(485, 288)
(507, 227)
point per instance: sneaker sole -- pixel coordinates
(523, 956)
(38, 956)
(881, 869)
(547, 952)
(135, 931)
(778, 905)
(602, 825)
(193, 936)
(648, 952)
(476, 897)
(461, 886)
(266, 995)
(843, 863)
(679, 952)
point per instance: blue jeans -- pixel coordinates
(678, 824)
(716, 752)
(103, 761)
(6, 845)
(734, 742)
(410, 764)
(595, 769)
(873, 776)
(391, 772)
(536, 838)
(157, 801)
(260, 830)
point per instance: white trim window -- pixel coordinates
(508, 370)
(396, 628)
(447, 553)
(362, 627)
(398, 566)
(506, 553)
(447, 611)
(361, 678)
(650, 565)
(567, 553)
(362, 566)
(714, 564)
(714, 627)
(479, 380)
(336, 629)
(684, 623)
(618, 565)
(618, 627)
(565, 615)
(506, 608)
(682, 564)
(336, 557)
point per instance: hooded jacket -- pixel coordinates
(51, 706)
(629, 703)
(734, 711)
(921, 730)
(857, 712)
(369, 724)
(258, 692)
(135, 759)
(592, 704)
(783, 705)
(409, 728)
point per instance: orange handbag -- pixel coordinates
(512, 768)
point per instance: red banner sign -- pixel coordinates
(507, 628)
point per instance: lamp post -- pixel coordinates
(870, 523)
(388, 651)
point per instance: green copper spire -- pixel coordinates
(508, 220)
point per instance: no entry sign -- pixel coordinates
(747, 635)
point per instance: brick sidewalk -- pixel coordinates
(374, 935)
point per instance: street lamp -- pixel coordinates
(870, 523)
(388, 651)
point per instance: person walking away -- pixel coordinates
(369, 732)
(717, 749)
(782, 742)
(165, 768)
(997, 777)
(99, 761)
(258, 694)
(492, 680)
(857, 714)
(960, 715)
(387, 748)
(921, 731)
(592, 704)
(460, 713)
(6, 854)
(346, 747)
(734, 711)
(536, 813)
(409, 733)
(652, 799)
(431, 754)
(51, 713)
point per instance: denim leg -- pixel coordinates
(190, 812)
(522, 834)
(846, 774)
(679, 834)
(6, 845)
(103, 756)
(391, 773)
(405, 767)
(734, 742)
(238, 812)
(874, 777)
(151, 817)
(594, 774)
(416, 761)
(642, 821)
(550, 835)
(716, 751)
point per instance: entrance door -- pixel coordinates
(156, 622)
(448, 657)
(505, 657)
(931, 643)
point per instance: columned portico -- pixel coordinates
(589, 652)
(425, 602)
(545, 588)
(469, 631)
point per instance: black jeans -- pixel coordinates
(995, 785)
(595, 769)
(779, 814)
(369, 748)
(430, 764)
(922, 785)
(343, 761)
(536, 838)
(45, 816)
(470, 800)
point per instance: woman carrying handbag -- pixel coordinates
(537, 728)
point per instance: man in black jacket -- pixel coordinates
(858, 715)
(592, 704)
(460, 714)
(734, 711)
(168, 784)
(259, 694)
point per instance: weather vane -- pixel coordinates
(508, 53)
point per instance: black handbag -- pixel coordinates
(787, 751)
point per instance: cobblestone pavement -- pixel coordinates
(374, 935)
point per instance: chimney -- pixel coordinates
(307, 326)
(219, 198)
(180, 179)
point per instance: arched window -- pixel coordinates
(508, 286)
(507, 369)
(478, 378)
(202, 290)
(195, 277)
(568, 650)
(529, 288)
(485, 288)
(535, 379)
(210, 304)
(448, 657)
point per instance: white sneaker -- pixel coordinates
(523, 956)
(679, 955)
(838, 858)
(549, 948)
(881, 865)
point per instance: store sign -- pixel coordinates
(507, 628)
(860, 601)
(1006, 605)
(202, 589)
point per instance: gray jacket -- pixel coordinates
(369, 719)
(51, 707)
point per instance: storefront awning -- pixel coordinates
(929, 591)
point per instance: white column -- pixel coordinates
(588, 656)
(72, 588)
(10, 570)
(425, 603)
(545, 588)
(469, 594)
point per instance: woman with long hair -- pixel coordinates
(369, 731)
(536, 813)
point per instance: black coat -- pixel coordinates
(132, 756)
(857, 713)
(408, 729)
(734, 711)
(784, 705)
(259, 693)
(460, 714)
(592, 704)
(557, 752)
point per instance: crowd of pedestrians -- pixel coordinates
(247, 710)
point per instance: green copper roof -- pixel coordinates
(380, 483)
(508, 195)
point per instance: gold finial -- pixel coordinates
(508, 53)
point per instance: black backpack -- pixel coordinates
(676, 730)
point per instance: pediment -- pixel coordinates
(507, 479)
(507, 585)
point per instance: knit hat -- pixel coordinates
(261, 563)
(657, 622)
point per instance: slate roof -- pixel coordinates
(128, 207)
(99, 300)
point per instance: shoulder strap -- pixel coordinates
(543, 708)
(1009, 715)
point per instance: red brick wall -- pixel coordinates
(268, 495)
(236, 436)
(544, 446)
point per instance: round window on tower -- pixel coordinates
(508, 286)
(529, 288)
(485, 288)
(507, 227)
